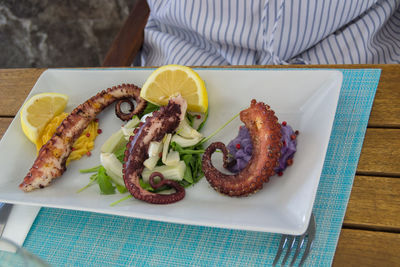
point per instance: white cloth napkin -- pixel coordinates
(18, 224)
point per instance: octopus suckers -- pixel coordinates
(162, 122)
(265, 133)
(51, 159)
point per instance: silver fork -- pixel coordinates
(289, 241)
(5, 210)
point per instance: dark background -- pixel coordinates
(58, 33)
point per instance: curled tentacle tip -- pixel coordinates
(152, 182)
(49, 165)
(166, 120)
(265, 135)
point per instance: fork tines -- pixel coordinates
(288, 241)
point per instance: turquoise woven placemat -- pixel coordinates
(75, 238)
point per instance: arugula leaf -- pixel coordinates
(150, 107)
(187, 150)
(159, 162)
(120, 200)
(187, 159)
(120, 154)
(187, 176)
(93, 179)
(145, 186)
(94, 169)
(121, 189)
(192, 158)
(104, 182)
(190, 118)
(194, 167)
(203, 122)
(200, 172)
(218, 130)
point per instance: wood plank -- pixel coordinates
(374, 204)
(386, 108)
(380, 154)
(4, 123)
(15, 84)
(367, 248)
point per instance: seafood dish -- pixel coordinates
(263, 148)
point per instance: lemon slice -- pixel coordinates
(171, 80)
(38, 111)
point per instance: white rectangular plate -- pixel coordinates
(306, 99)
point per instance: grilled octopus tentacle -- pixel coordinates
(50, 163)
(265, 134)
(164, 121)
(140, 106)
(164, 182)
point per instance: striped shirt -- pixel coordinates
(261, 32)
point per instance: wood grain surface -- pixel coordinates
(371, 229)
(380, 154)
(15, 85)
(374, 204)
(367, 248)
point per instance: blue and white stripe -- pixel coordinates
(260, 32)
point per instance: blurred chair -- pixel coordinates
(130, 38)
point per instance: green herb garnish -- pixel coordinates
(218, 130)
(190, 118)
(190, 155)
(120, 200)
(93, 179)
(121, 189)
(94, 169)
(103, 180)
(120, 154)
(192, 158)
(203, 122)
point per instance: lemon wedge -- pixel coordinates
(38, 111)
(171, 80)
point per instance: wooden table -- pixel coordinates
(370, 234)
